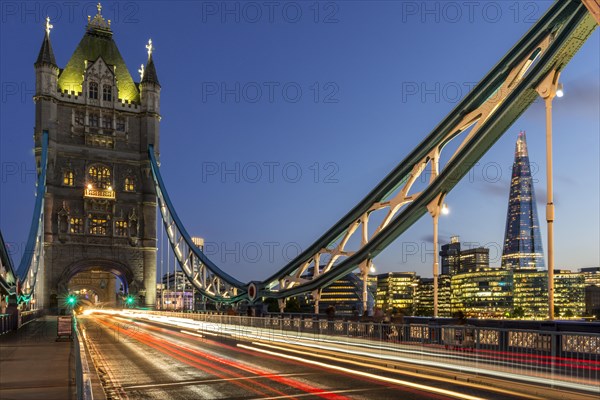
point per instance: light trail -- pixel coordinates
(196, 358)
(205, 381)
(425, 388)
(191, 333)
(480, 366)
(332, 355)
(187, 359)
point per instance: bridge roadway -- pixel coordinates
(142, 359)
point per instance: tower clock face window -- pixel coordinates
(100, 177)
(107, 93)
(93, 91)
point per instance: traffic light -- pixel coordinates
(71, 300)
(129, 300)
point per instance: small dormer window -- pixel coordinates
(93, 91)
(107, 93)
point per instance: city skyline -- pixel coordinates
(221, 209)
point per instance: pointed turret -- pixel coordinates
(46, 70)
(150, 75)
(46, 55)
(150, 87)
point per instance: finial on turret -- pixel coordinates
(141, 71)
(46, 55)
(149, 75)
(150, 48)
(98, 23)
(48, 26)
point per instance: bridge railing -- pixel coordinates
(555, 358)
(6, 323)
(83, 382)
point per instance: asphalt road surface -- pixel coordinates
(140, 360)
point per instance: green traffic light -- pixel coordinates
(129, 300)
(71, 300)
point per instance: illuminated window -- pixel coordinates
(68, 178)
(129, 184)
(98, 225)
(107, 93)
(99, 177)
(93, 90)
(76, 225)
(79, 119)
(121, 228)
(94, 120)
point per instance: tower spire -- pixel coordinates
(46, 55)
(149, 74)
(98, 24)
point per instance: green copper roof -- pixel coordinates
(98, 43)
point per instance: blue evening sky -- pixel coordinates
(277, 118)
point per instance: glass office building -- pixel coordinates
(522, 239)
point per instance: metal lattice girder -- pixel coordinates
(8, 277)
(33, 258)
(209, 280)
(483, 116)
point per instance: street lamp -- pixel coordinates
(435, 208)
(548, 89)
(445, 209)
(559, 90)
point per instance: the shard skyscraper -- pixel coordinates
(522, 239)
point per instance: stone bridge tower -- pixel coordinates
(100, 206)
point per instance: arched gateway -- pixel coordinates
(100, 204)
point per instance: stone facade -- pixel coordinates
(100, 204)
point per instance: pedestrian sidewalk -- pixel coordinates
(33, 365)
